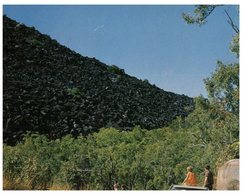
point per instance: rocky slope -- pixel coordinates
(53, 90)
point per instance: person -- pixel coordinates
(208, 180)
(190, 179)
(123, 187)
(116, 185)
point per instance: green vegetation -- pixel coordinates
(75, 92)
(116, 70)
(34, 42)
(140, 159)
(201, 13)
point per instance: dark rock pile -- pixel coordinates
(50, 89)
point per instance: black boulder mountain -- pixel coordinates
(50, 89)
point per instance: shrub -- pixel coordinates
(74, 92)
(13, 162)
(230, 152)
(116, 70)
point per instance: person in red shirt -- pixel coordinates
(190, 179)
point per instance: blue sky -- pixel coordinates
(148, 41)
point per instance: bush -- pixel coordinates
(140, 159)
(116, 70)
(232, 151)
(74, 92)
(13, 162)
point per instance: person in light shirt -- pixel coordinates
(116, 185)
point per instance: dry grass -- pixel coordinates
(59, 187)
(17, 185)
(14, 185)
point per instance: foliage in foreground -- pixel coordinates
(140, 159)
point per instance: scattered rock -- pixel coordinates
(49, 88)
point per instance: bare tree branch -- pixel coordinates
(230, 21)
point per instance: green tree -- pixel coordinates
(201, 13)
(223, 87)
(40, 164)
(75, 165)
(104, 144)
